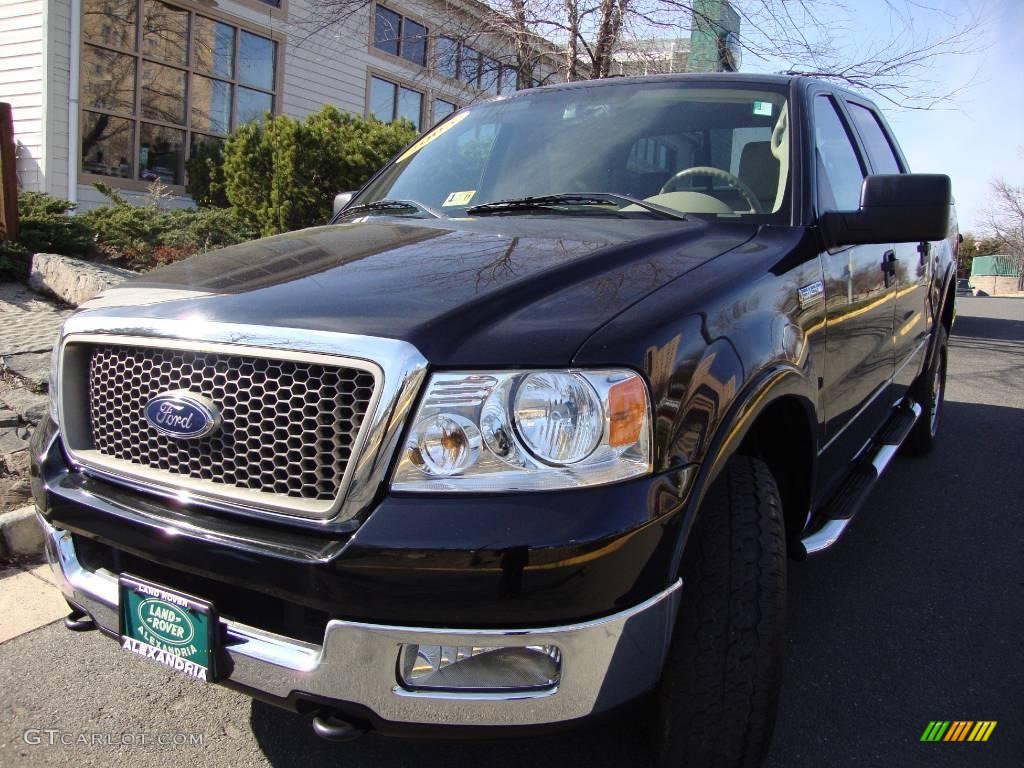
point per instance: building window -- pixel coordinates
(447, 52)
(469, 66)
(387, 30)
(442, 109)
(256, 60)
(508, 80)
(152, 93)
(414, 42)
(459, 61)
(391, 101)
(399, 36)
(490, 74)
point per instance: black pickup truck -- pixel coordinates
(529, 431)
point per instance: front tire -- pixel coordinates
(718, 696)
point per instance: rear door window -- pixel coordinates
(879, 149)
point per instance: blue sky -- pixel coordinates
(980, 134)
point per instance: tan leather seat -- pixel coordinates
(759, 169)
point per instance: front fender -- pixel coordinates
(767, 388)
(718, 349)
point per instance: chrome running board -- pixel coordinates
(854, 491)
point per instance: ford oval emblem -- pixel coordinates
(182, 415)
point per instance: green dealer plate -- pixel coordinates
(176, 630)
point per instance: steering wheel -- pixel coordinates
(706, 170)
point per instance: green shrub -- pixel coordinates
(144, 236)
(206, 175)
(138, 236)
(283, 174)
(206, 229)
(124, 232)
(45, 226)
(13, 258)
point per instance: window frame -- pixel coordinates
(135, 184)
(399, 84)
(402, 18)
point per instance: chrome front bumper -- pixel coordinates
(605, 662)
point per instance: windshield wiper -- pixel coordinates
(577, 199)
(388, 206)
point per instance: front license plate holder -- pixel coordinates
(166, 626)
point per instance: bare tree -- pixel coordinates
(1004, 222)
(546, 40)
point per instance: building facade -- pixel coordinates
(713, 46)
(714, 37)
(124, 91)
(658, 56)
(996, 275)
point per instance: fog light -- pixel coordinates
(472, 668)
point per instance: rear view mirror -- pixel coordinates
(896, 208)
(340, 201)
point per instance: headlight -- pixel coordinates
(51, 385)
(559, 417)
(520, 431)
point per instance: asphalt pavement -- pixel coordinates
(916, 615)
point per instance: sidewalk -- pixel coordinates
(29, 598)
(28, 322)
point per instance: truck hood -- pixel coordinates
(510, 290)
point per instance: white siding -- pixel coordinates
(21, 85)
(332, 66)
(327, 68)
(57, 94)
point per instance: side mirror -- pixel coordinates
(340, 201)
(896, 208)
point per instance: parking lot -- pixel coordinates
(916, 615)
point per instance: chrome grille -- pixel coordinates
(289, 427)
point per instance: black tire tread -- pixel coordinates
(920, 441)
(719, 691)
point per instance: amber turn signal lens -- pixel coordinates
(627, 405)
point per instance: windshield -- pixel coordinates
(706, 151)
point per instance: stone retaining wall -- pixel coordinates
(73, 281)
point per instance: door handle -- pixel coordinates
(924, 248)
(889, 266)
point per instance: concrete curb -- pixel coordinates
(20, 533)
(72, 280)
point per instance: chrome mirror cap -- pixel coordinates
(341, 200)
